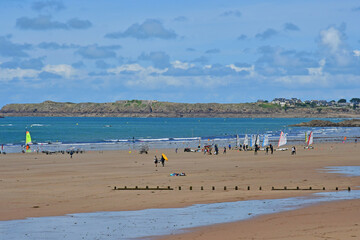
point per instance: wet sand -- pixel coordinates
(34, 185)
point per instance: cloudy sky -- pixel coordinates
(180, 51)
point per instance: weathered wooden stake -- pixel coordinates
(115, 188)
(336, 188)
(190, 187)
(349, 189)
(248, 187)
(202, 188)
(260, 188)
(179, 188)
(225, 188)
(213, 188)
(236, 187)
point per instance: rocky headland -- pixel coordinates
(323, 123)
(148, 108)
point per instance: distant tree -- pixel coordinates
(342, 100)
(355, 100)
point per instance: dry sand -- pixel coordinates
(34, 185)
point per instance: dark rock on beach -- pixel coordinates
(322, 123)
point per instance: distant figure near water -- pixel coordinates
(271, 148)
(162, 160)
(293, 150)
(156, 161)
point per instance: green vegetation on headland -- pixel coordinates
(148, 108)
(322, 123)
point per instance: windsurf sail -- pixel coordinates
(28, 138)
(257, 142)
(306, 137)
(310, 139)
(237, 140)
(265, 141)
(253, 140)
(246, 140)
(282, 139)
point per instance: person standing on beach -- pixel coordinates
(224, 150)
(162, 160)
(267, 150)
(293, 150)
(156, 161)
(271, 148)
(256, 149)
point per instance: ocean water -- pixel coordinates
(58, 133)
(154, 222)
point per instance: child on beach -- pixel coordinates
(156, 161)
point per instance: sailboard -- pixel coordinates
(246, 140)
(310, 139)
(282, 139)
(165, 157)
(253, 140)
(265, 141)
(257, 141)
(27, 138)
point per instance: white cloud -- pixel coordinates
(135, 68)
(9, 74)
(331, 38)
(356, 53)
(64, 70)
(182, 65)
(319, 70)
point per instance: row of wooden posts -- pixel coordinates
(225, 188)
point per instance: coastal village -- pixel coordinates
(296, 102)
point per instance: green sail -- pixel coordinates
(28, 138)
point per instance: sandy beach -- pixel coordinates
(35, 185)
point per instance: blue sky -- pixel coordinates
(178, 51)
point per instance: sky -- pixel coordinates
(178, 51)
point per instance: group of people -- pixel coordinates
(162, 160)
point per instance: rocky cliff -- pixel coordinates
(139, 108)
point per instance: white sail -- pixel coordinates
(310, 139)
(282, 139)
(265, 141)
(246, 140)
(237, 140)
(258, 140)
(253, 140)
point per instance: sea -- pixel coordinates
(108, 133)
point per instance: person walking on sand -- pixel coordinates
(162, 160)
(267, 150)
(224, 150)
(271, 149)
(156, 161)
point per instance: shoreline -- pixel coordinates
(333, 220)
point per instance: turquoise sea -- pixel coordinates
(122, 133)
